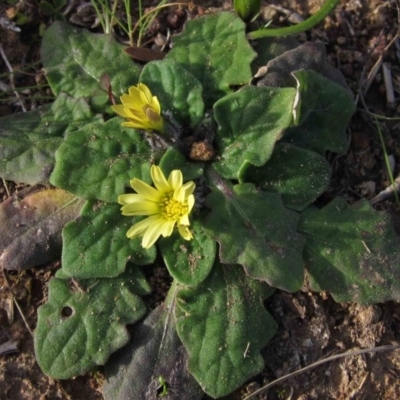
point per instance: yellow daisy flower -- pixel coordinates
(141, 109)
(169, 203)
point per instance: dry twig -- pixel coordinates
(12, 84)
(351, 353)
(387, 193)
(16, 302)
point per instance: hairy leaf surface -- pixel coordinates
(83, 322)
(223, 325)
(352, 252)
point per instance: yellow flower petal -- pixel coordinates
(140, 228)
(179, 195)
(152, 233)
(133, 125)
(184, 220)
(131, 102)
(144, 99)
(141, 208)
(184, 232)
(135, 91)
(156, 105)
(175, 179)
(144, 90)
(159, 179)
(120, 110)
(130, 198)
(167, 228)
(135, 115)
(189, 187)
(190, 202)
(168, 204)
(146, 190)
(141, 108)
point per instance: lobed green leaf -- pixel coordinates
(269, 48)
(83, 322)
(189, 262)
(250, 122)
(254, 229)
(299, 175)
(96, 246)
(352, 252)
(215, 50)
(223, 325)
(29, 140)
(178, 91)
(75, 59)
(99, 160)
(154, 352)
(322, 114)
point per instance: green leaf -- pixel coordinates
(174, 159)
(31, 223)
(223, 325)
(323, 113)
(278, 71)
(59, 4)
(270, 47)
(29, 140)
(189, 262)
(83, 322)
(254, 229)
(156, 346)
(352, 252)
(96, 246)
(75, 59)
(98, 161)
(291, 56)
(215, 50)
(178, 91)
(99, 100)
(299, 175)
(250, 122)
(47, 8)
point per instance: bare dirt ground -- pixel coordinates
(358, 35)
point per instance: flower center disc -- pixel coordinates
(172, 209)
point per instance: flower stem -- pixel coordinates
(322, 13)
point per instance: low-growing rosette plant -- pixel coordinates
(208, 161)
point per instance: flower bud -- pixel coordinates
(247, 9)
